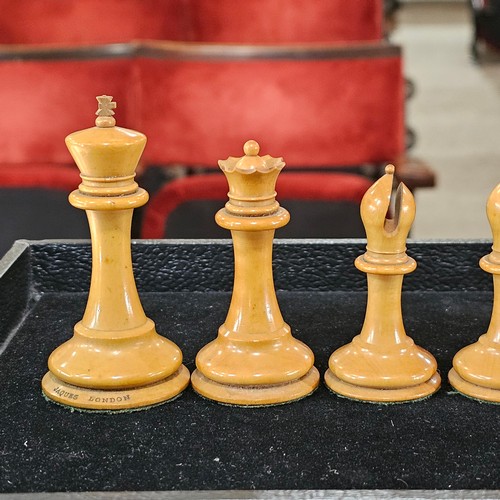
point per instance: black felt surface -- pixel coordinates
(321, 442)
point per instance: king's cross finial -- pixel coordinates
(106, 105)
(105, 111)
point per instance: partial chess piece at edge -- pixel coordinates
(115, 359)
(476, 367)
(383, 364)
(255, 360)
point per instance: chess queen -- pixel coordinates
(254, 360)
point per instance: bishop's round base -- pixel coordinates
(374, 395)
(256, 395)
(110, 400)
(473, 390)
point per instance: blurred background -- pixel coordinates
(455, 111)
(338, 88)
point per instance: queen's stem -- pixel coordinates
(254, 307)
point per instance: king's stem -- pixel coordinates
(113, 302)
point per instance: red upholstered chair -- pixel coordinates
(88, 22)
(281, 22)
(284, 21)
(248, 21)
(45, 96)
(322, 107)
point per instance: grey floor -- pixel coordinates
(455, 113)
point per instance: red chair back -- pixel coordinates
(237, 21)
(284, 21)
(45, 100)
(86, 22)
(320, 106)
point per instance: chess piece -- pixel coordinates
(383, 364)
(255, 360)
(115, 360)
(476, 368)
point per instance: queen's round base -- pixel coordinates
(115, 399)
(256, 395)
(375, 395)
(473, 390)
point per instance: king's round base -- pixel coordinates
(473, 390)
(256, 395)
(375, 395)
(110, 400)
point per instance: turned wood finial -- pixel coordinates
(105, 111)
(251, 148)
(387, 218)
(251, 162)
(252, 181)
(106, 154)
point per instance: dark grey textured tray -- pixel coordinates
(321, 447)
